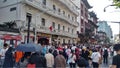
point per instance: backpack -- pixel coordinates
(81, 62)
(105, 53)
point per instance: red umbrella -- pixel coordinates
(7, 37)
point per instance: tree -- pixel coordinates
(116, 3)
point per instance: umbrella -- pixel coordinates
(38, 48)
(30, 47)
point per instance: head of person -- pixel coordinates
(50, 50)
(60, 52)
(5, 46)
(43, 43)
(117, 47)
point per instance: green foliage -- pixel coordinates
(117, 3)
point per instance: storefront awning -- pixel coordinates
(7, 37)
(18, 37)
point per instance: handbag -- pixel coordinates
(31, 66)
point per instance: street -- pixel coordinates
(109, 63)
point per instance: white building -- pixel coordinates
(53, 19)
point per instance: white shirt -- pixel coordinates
(72, 58)
(50, 59)
(73, 48)
(2, 53)
(95, 56)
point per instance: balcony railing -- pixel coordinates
(72, 8)
(45, 9)
(56, 32)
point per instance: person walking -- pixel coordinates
(60, 61)
(72, 59)
(85, 54)
(96, 58)
(105, 56)
(38, 60)
(9, 58)
(18, 55)
(116, 58)
(2, 53)
(50, 59)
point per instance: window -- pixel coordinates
(68, 29)
(53, 24)
(63, 28)
(72, 31)
(68, 41)
(54, 8)
(82, 22)
(68, 16)
(72, 18)
(43, 22)
(63, 40)
(44, 2)
(63, 12)
(58, 26)
(59, 10)
(12, 9)
(82, 30)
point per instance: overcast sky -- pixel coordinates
(111, 13)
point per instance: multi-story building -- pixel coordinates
(103, 26)
(83, 7)
(84, 16)
(101, 37)
(92, 22)
(52, 19)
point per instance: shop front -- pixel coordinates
(11, 39)
(43, 38)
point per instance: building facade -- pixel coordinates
(84, 16)
(55, 20)
(101, 37)
(92, 30)
(103, 26)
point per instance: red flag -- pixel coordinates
(50, 28)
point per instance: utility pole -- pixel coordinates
(28, 31)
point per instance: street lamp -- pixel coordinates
(108, 6)
(113, 21)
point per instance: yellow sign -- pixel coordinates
(44, 35)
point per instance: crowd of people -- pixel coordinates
(68, 55)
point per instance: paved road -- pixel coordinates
(109, 63)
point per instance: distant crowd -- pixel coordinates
(68, 55)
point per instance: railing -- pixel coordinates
(56, 32)
(46, 9)
(72, 8)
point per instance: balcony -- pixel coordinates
(71, 8)
(45, 9)
(56, 32)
